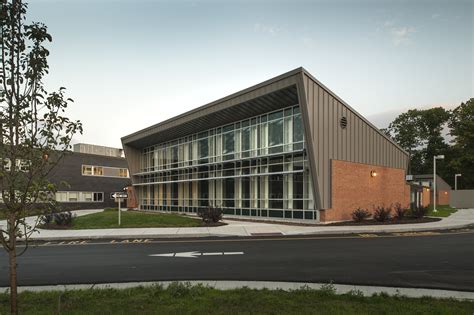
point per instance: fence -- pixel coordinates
(462, 198)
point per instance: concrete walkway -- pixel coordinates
(260, 285)
(460, 219)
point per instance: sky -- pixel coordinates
(129, 64)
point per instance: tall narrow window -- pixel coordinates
(245, 141)
(203, 149)
(229, 144)
(275, 136)
(297, 132)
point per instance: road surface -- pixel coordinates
(443, 261)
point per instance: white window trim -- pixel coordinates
(104, 167)
(80, 196)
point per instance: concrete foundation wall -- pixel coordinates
(353, 187)
(462, 198)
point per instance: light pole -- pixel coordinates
(456, 181)
(436, 157)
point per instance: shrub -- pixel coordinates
(400, 212)
(327, 289)
(419, 212)
(356, 293)
(360, 214)
(210, 214)
(179, 289)
(47, 219)
(382, 214)
(60, 218)
(63, 218)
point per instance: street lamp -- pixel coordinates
(456, 181)
(436, 157)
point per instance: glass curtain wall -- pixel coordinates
(255, 167)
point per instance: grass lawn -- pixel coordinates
(132, 219)
(442, 211)
(185, 299)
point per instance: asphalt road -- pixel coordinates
(441, 261)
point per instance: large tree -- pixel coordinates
(422, 133)
(406, 131)
(419, 132)
(461, 126)
(34, 131)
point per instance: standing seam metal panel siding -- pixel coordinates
(358, 142)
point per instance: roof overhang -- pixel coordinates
(270, 95)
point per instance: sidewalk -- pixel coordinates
(460, 219)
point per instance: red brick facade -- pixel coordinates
(426, 197)
(354, 187)
(132, 198)
(442, 198)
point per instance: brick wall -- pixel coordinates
(353, 187)
(426, 197)
(132, 198)
(443, 197)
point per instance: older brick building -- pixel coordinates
(285, 148)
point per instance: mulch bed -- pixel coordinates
(365, 222)
(391, 221)
(54, 227)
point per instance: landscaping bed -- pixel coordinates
(108, 219)
(181, 298)
(389, 222)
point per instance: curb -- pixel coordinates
(259, 285)
(203, 235)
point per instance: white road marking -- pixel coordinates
(195, 254)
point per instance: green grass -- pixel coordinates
(185, 299)
(132, 219)
(442, 211)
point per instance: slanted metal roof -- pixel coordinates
(273, 94)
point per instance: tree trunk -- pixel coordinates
(13, 284)
(13, 278)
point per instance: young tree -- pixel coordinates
(34, 133)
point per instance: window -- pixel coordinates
(228, 142)
(98, 197)
(275, 135)
(23, 165)
(203, 148)
(245, 141)
(123, 172)
(93, 170)
(79, 196)
(86, 170)
(61, 196)
(87, 196)
(98, 170)
(240, 167)
(72, 197)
